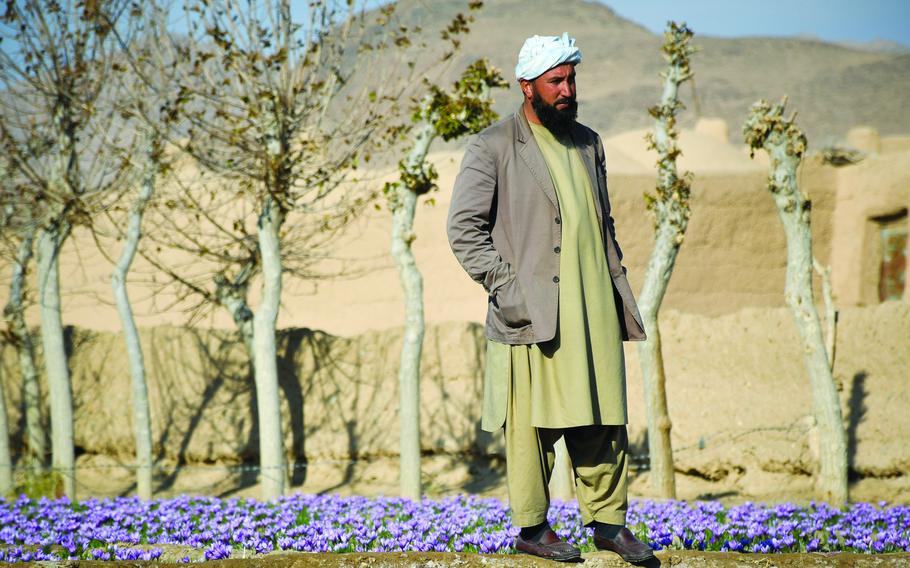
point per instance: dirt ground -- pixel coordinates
(681, 559)
(445, 475)
(738, 396)
(739, 402)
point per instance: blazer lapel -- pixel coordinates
(533, 158)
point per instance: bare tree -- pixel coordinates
(768, 129)
(465, 110)
(54, 75)
(17, 239)
(670, 206)
(17, 231)
(145, 160)
(142, 428)
(6, 458)
(13, 313)
(275, 108)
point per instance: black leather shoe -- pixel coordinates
(548, 546)
(625, 545)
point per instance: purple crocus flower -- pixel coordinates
(217, 551)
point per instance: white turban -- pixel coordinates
(539, 54)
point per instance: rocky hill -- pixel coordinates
(833, 86)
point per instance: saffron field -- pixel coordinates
(132, 529)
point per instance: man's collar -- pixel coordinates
(524, 128)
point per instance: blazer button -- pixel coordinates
(557, 221)
(556, 279)
(556, 250)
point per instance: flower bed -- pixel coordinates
(212, 528)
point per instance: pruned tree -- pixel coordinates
(54, 72)
(670, 206)
(6, 458)
(275, 105)
(466, 109)
(767, 129)
(149, 167)
(17, 232)
(16, 240)
(146, 163)
(13, 312)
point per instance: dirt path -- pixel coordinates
(675, 558)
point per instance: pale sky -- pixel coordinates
(830, 20)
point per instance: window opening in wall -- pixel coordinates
(893, 271)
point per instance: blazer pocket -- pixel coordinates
(511, 304)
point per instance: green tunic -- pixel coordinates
(578, 377)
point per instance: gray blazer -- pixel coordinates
(503, 227)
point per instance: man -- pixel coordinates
(530, 221)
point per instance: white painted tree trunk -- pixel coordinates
(794, 214)
(650, 353)
(14, 311)
(824, 272)
(6, 458)
(671, 209)
(785, 145)
(50, 242)
(416, 178)
(403, 205)
(233, 297)
(265, 358)
(142, 427)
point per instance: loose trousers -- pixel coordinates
(597, 452)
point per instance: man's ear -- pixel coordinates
(526, 88)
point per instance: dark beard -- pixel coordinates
(558, 122)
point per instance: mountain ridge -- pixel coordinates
(833, 86)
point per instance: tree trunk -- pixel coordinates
(785, 145)
(50, 242)
(660, 450)
(671, 208)
(265, 358)
(470, 111)
(403, 204)
(6, 459)
(650, 354)
(35, 436)
(142, 428)
(233, 297)
(832, 481)
(824, 273)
